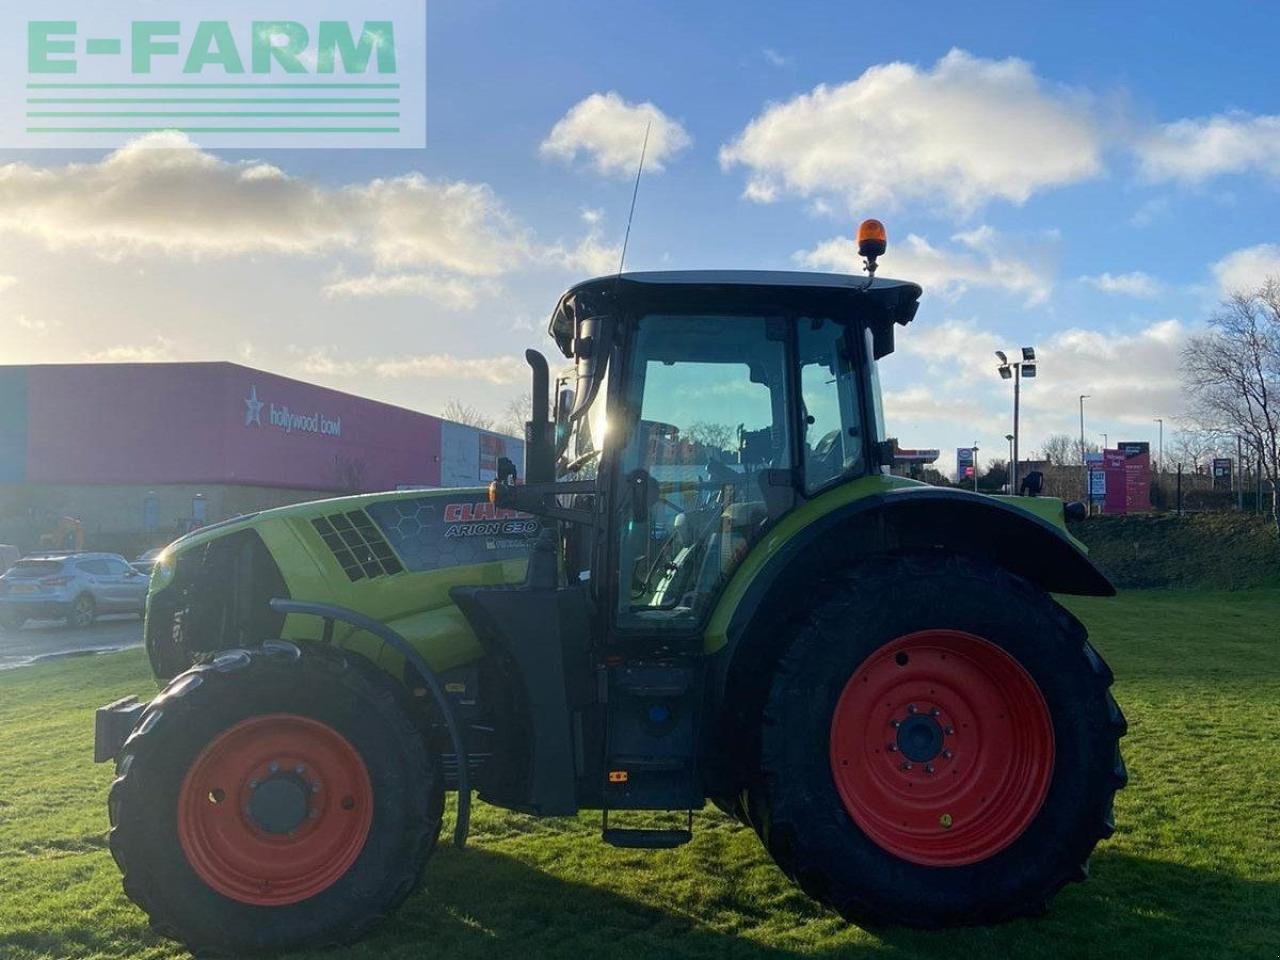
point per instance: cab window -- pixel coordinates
(708, 437)
(834, 445)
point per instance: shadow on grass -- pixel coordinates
(489, 906)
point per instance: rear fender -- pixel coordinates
(906, 520)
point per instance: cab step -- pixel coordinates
(645, 838)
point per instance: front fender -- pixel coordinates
(882, 516)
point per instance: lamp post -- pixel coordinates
(975, 466)
(1160, 420)
(1104, 440)
(1084, 466)
(1015, 371)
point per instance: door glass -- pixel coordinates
(832, 415)
(706, 451)
(95, 568)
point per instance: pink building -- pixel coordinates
(143, 450)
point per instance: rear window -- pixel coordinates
(35, 568)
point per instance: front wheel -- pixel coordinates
(273, 799)
(939, 748)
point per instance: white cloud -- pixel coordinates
(591, 215)
(498, 370)
(1247, 269)
(1134, 284)
(158, 350)
(980, 259)
(162, 195)
(6, 282)
(776, 59)
(610, 131)
(965, 131)
(450, 292)
(1193, 150)
(591, 256)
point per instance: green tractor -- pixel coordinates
(708, 586)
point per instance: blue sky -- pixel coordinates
(1086, 178)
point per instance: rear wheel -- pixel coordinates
(273, 799)
(83, 611)
(939, 747)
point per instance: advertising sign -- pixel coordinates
(964, 463)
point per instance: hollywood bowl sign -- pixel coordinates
(283, 418)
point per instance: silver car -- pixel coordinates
(75, 587)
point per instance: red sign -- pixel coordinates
(1128, 478)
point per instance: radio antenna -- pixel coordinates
(635, 191)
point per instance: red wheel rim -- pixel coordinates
(275, 810)
(942, 748)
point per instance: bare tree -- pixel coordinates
(519, 411)
(1193, 448)
(1232, 376)
(1061, 450)
(460, 412)
(715, 436)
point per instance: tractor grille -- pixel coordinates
(357, 545)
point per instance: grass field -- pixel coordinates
(1193, 871)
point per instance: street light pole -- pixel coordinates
(1160, 420)
(1083, 464)
(1104, 441)
(1014, 371)
(975, 466)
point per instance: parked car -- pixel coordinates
(147, 561)
(9, 555)
(76, 587)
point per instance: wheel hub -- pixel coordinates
(919, 738)
(280, 804)
(941, 748)
(275, 810)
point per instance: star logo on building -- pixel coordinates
(252, 408)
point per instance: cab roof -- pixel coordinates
(881, 305)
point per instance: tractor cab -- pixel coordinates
(704, 407)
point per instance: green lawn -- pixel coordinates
(1193, 871)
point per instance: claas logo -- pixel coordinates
(468, 512)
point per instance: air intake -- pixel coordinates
(357, 545)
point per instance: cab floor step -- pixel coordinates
(646, 839)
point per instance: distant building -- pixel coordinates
(142, 452)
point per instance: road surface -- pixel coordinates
(45, 638)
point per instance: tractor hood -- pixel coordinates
(880, 305)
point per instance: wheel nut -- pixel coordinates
(891, 747)
(253, 784)
(906, 764)
(934, 711)
(315, 786)
(928, 768)
(895, 724)
(949, 731)
(911, 708)
(946, 754)
(313, 813)
(300, 769)
(273, 766)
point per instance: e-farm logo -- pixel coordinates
(340, 74)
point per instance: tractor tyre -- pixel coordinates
(271, 799)
(938, 747)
